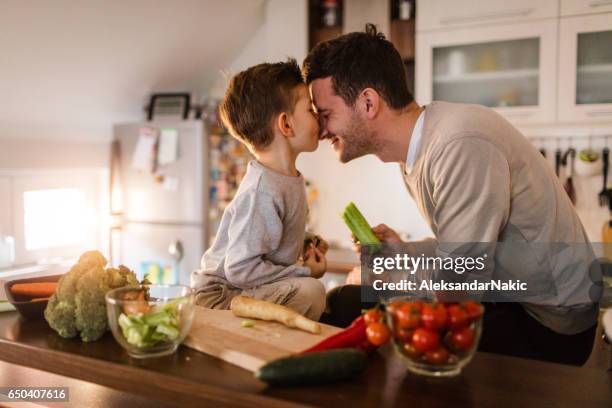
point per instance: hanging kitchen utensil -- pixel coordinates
(569, 183)
(606, 231)
(557, 161)
(588, 163)
(542, 149)
(604, 194)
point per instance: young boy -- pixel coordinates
(261, 236)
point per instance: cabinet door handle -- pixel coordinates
(488, 16)
(599, 113)
(600, 3)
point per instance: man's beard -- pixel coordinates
(356, 140)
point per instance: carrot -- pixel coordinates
(35, 289)
(39, 299)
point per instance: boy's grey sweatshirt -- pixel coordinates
(261, 234)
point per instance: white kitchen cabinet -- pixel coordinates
(585, 69)
(445, 15)
(577, 7)
(510, 67)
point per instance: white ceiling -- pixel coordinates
(70, 69)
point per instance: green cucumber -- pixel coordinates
(314, 368)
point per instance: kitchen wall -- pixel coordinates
(72, 69)
(375, 187)
(38, 154)
(283, 33)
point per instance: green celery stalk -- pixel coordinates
(360, 228)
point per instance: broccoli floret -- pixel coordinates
(78, 306)
(90, 313)
(60, 311)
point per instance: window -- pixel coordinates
(57, 214)
(54, 218)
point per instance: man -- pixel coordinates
(474, 178)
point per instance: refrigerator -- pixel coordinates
(160, 198)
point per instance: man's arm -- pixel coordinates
(469, 183)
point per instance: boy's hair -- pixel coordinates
(255, 97)
(360, 60)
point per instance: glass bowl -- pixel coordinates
(150, 320)
(434, 339)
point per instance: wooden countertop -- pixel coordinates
(190, 378)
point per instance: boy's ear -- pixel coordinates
(369, 103)
(284, 126)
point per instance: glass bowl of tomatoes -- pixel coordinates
(434, 338)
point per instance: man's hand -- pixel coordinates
(354, 276)
(383, 233)
(315, 260)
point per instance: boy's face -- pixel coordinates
(305, 123)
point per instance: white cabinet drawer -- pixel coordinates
(576, 7)
(448, 14)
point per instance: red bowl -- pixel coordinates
(24, 305)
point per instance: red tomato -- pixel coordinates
(474, 310)
(408, 316)
(457, 317)
(425, 339)
(411, 351)
(438, 356)
(372, 316)
(434, 315)
(462, 339)
(403, 335)
(394, 306)
(378, 333)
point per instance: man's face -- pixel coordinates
(341, 124)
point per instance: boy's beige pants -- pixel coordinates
(304, 295)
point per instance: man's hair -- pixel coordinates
(255, 97)
(360, 60)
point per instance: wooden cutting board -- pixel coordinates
(220, 334)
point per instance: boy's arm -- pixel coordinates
(256, 230)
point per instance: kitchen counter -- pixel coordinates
(102, 374)
(341, 260)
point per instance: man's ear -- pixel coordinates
(284, 126)
(369, 103)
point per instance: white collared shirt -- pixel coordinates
(415, 142)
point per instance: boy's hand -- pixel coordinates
(321, 244)
(318, 242)
(315, 260)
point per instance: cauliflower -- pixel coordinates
(78, 306)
